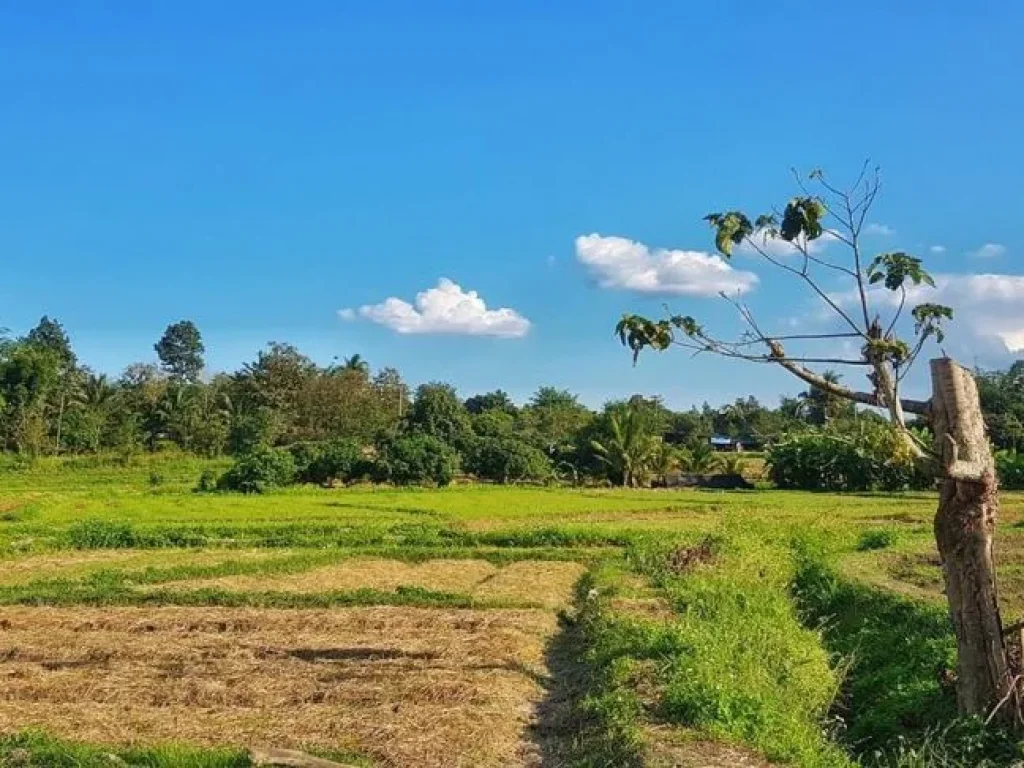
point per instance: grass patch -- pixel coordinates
(735, 662)
(898, 705)
(876, 538)
(29, 749)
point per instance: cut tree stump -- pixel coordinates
(964, 528)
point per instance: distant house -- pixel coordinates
(725, 443)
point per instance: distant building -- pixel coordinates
(725, 443)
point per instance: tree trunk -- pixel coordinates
(964, 529)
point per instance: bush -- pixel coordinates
(305, 454)
(506, 459)
(1010, 468)
(323, 463)
(259, 470)
(415, 459)
(869, 457)
(207, 482)
(877, 538)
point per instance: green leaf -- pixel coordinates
(731, 228)
(896, 269)
(803, 216)
(928, 319)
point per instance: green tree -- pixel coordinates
(822, 405)
(29, 376)
(181, 351)
(417, 458)
(50, 334)
(629, 450)
(498, 400)
(355, 364)
(437, 411)
(1002, 401)
(552, 420)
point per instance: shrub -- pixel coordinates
(506, 459)
(305, 454)
(340, 460)
(207, 482)
(417, 458)
(259, 470)
(870, 457)
(1010, 468)
(877, 538)
(324, 462)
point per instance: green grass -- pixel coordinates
(735, 660)
(34, 748)
(817, 653)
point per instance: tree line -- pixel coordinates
(51, 403)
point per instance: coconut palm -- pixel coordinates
(699, 459)
(355, 363)
(630, 450)
(823, 406)
(95, 391)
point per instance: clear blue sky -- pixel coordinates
(259, 166)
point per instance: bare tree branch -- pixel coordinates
(810, 377)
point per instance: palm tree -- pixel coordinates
(95, 391)
(666, 460)
(630, 450)
(355, 363)
(731, 465)
(699, 459)
(824, 406)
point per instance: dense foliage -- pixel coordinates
(419, 459)
(259, 470)
(506, 459)
(1010, 468)
(1002, 400)
(864, 456)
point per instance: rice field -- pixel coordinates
(469, 626)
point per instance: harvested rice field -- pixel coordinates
(545, 584)
(469, 626)
(402, 686)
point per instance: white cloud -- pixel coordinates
(776, 247)
(989, 307)
(883, 230)
(445, 309)
(937, 249)
(989, 251)
(617, 262)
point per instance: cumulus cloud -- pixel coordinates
(989, 307)
(617, 262)
(444, 309)
(989, 251)
(881, 230)
(776, 247)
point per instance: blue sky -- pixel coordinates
(259, 166)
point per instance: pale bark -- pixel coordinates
(964, 529)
